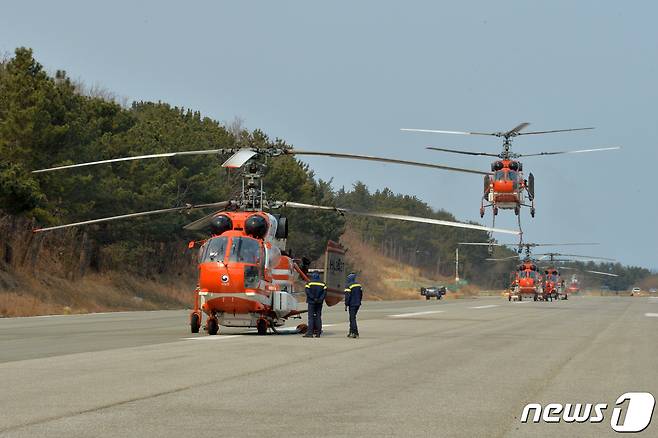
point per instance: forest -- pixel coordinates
(48, 120)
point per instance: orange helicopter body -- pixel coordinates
(244, 279)
(527, 279)
(505, 188)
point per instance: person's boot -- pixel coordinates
(355, 335)
(350, 335)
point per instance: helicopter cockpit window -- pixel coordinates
(512, 175)
(245, 250)
(500, 175)
(214, 250)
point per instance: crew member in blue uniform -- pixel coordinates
(353, 295)
(316, 291)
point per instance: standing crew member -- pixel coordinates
(353, 295)
(316, 291)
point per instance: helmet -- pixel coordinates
(315, 276)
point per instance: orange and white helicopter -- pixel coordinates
(505, 187)
(246, 277)
(554, 286)
(528, 278)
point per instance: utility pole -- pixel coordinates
(457, 263)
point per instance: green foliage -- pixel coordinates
(45, 122)
(431, 247)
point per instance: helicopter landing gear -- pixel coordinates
(517, 210)
(532, 211)
(495, 211)
(534, 298)
(195, 322)
(212, 326)
(261, 327)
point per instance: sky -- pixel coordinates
(345, 76)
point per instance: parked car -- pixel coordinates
(636, 291)
(433, 291)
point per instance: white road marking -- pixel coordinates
(489, 306)
(653, 299)
(406, 315)
(651, 315)
(211, 338)
(522, 302)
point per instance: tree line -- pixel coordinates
(48, 120)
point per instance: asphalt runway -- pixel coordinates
(463, 368)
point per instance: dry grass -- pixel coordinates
(26, 295)
(387, 279)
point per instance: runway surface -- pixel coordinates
(463, 368)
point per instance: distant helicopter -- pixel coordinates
(505, 187)
(246, 277)
(528, 279)
(554, 285)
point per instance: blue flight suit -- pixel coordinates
(353, 296)
(316, 291)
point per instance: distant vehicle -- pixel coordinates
(636, 291)
(653, 290)
(433, 291)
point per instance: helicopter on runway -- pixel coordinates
(530, 279)
(246, 277)
(553, 282)
(505, 187)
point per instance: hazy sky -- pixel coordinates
(346, 75)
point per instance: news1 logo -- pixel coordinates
(636, 418)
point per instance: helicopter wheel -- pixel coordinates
(509, 297)
(495, 211)
(532, 212)
(481, 212)
(517, 210)
(212, 326)
(195, 322)
(261, 327)
(535, 297)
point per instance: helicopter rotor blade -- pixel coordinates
(556, 244)
(555, 254)
(553, 131)
(438, 131)
(502, 259)
(481, 243)
(396, 217)
(603, 273)
(580, 151)
(516, 130)
(139, 157)
(456, 151)
(380, 159)
(609, 274)
(133, 215)
(239, 158)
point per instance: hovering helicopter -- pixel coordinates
(246, 277)
(505, 187)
